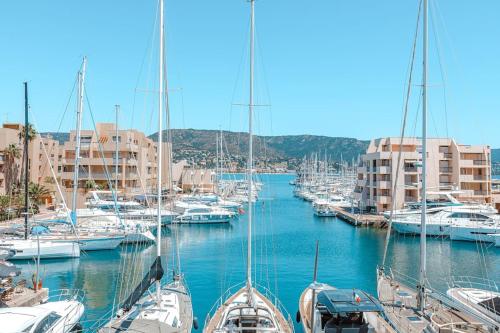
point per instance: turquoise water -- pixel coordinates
(213, 257)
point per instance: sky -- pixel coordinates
(325, 67)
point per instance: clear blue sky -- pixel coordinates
(327, 67)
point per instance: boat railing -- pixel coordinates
(66, 294)
(265, 291)
(472, 282)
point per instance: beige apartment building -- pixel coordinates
(450, 166)
(137, 159)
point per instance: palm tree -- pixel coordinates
(11, 153)
(32, 133)
(37, 192)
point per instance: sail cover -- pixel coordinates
(155, 274)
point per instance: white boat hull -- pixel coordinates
(441, 230)
(28, 249)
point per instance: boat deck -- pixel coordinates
(214, 322)
(400, 305)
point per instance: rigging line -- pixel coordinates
(441, 65)
(244, 52)
(64, 113)
(403, 126)
(142, 65)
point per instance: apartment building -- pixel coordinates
(464, 169)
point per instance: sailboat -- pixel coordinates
(28, 248)
(67, 230)
(168, 308)
(424, 310)
(248, 310)
(326, 309)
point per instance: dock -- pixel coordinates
(25, 297)
(356, 219)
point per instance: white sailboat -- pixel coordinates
(28, 248)
(423, 310)
(168, 308)
(248, 310)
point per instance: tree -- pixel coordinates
(11, 154)
(32, 133)
(37, 192)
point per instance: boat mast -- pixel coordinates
(26, 161)
(423, 231)
(159, 155)
(117, 110)
(250, 147)
(313, 291)
(79, 111)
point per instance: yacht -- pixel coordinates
(438, 201)
(322, 208)
(103, 203)
(205, 215)
(27, 249)
(458, 223)
(340, 310)
(483, 302)
(54, 317)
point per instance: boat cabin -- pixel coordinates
(346, 310)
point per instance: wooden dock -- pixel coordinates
(357, 220)
(25, 297)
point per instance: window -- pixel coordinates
(119, 138)
(47, 323)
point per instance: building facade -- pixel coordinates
(464, 169)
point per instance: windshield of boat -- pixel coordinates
(492, 304)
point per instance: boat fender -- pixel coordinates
(297, 317)
(195, 323)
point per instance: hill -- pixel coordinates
(194, 144)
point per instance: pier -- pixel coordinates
(24, 297)
(367, 220)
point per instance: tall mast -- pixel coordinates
(117, 110)
(423, 231)
(79, 111)
(26, 161)
(159, 155)
(250, 147)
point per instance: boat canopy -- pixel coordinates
(347, 300)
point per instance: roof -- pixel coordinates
(348, 300)
(17, 319)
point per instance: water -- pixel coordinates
(214, 257)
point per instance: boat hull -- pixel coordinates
(28, 249)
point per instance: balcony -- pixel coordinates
(382, 199)
(447, 156)
(480, 162)
(410, 199)
(383, 169)
(445, 184)
(384, 184)
(480, 193)
(411, 169)
(445, 169)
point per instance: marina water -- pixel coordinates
(213, 256)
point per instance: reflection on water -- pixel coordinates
(214, 256)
